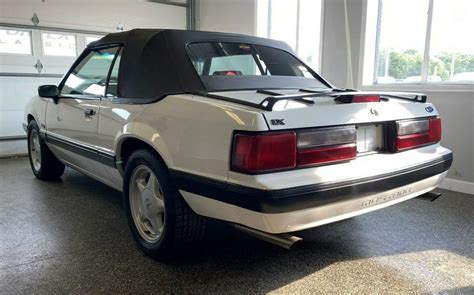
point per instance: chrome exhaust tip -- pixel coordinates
(285, 240)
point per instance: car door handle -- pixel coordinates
(89, 112)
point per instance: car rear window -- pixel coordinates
(238, 59)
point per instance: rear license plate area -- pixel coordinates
(370, 138)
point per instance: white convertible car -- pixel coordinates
(196, 125)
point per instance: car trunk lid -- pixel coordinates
(293, 109)
(345, 114)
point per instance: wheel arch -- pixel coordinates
(29, 118)
(127, 144)
(35, 109)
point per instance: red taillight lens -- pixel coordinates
(258, 153)
(435, 130)
(366, 98)
(326, 145)
(264, 152)
(412, 140)
(416, 133)
(324, 155)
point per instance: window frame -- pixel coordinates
(13, 63)
(205, 79)
(81, 57)
(258, 64)
(76, 43)
(266, 30)
(109, 74)
(32, 49)
(424, 84)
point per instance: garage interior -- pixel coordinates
(71, 236)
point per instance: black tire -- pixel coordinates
(182, 227)
(50, 167)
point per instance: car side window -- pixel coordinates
(112, 88)
(89, 77)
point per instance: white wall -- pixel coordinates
(334, 64)
(456, 106)
(230, 16)
(96, 15)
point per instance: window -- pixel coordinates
(452, 46)
(298, 23)
(112, 88)
(423, 41)
(15, 41)
(234, 59)
(233, 65)
(59, 44)
(89, 77)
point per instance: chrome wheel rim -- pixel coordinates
(147, 204)
(35, 150)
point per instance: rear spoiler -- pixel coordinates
(268, 103)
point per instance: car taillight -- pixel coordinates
(358, 98)
(266, 152)
(366, 98)
(416, 133)
(326, 145)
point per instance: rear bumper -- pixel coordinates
(297, 208)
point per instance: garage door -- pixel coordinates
(29, 58)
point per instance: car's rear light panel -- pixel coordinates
(415, 133)
(268, 152)
(361, 98)
(327, 136)
(412, 126)
(326, 145)
(326, 154)
(365, 98)
(265, 152)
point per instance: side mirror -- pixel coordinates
(51, 91)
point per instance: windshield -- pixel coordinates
(239, 59)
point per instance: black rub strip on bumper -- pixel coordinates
(303, 197)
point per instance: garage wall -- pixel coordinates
(456, 106)
(230, 16)
(103, 15)
(335, 56)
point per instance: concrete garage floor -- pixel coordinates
(72, 237)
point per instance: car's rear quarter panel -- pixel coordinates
(191, 133)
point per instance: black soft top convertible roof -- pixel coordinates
(155, 63)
